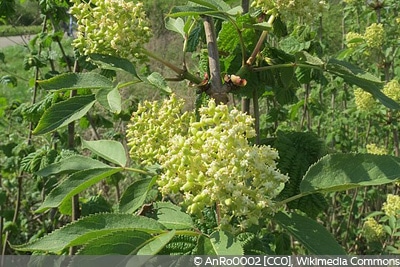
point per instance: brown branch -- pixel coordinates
(216, 91)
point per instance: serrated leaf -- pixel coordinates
(114, 63)
(110, 150)
(135, 195)
(224, 244)
(124, 242)
(74, 184)
(71, 164)
(194, 38)
(309, 233)
(356, 76)
(68, 81)
(338, 172)
(110, 98)
(63, 113)
(88, 228)
(172, 217)
(291, 45)
(228, 39)
(158, 81)
(157, 243)
(176, 25)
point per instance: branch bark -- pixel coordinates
(217, 90)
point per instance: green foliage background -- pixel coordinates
(307, 113)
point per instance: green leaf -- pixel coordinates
(345, 171)
(309, 233)
(304, 57)
(135, 195)
(356, 76)
(114, 63)
(292, 45)
(172, 217)
(158, 81)
(110, 150)
(262, 26)
(213, 4)
(223, 243)
(157, 243)
(74, 184)
(88, 228)
(176, 25)
(124, 242)
(9, 79)
(184, 11)
(228, 39)
(68, 81)
(110, 98)
(63, 113)
(71, 164)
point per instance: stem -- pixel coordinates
(183, 74)
(121, 85)
(260, 42)
(217, 91)
(245, 100)
(283, 202)
(256, 108)
(137, 170)
(288, 65)
(246, 105)
(71, 145)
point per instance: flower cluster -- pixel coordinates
(113, 27)
(373, 231)
(212, 164)
(306, 9)
(374, 149)
(392, 205)
(364, 100)
(152, 126)
(352, 39)
(374, 35)
(392, 90)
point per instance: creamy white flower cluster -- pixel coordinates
(291, 9)
(373, 231)
(375, 149)
(374, 36)
(113, 27)
(392, 205)
(152, 126)
(392, 90)
(212, 164)
(366, 102)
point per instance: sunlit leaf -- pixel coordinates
(110, 150)
(338, 172)
(68, 81)
(63, 113)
